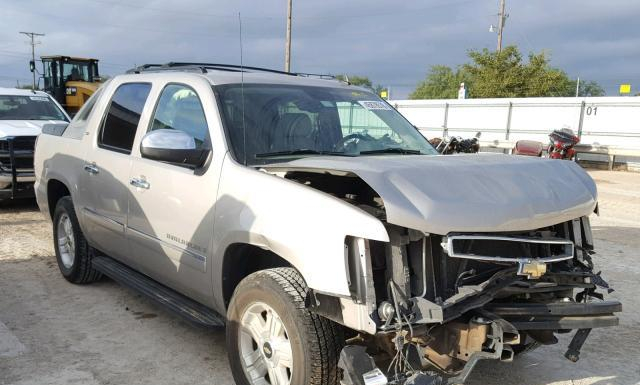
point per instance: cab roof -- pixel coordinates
(73, 58)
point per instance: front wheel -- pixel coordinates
(273, 339)
(72, 250)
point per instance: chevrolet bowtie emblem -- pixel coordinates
(532, 269)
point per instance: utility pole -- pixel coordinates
(578, 87)
(287, 48)
(33, 35)
(502, 18)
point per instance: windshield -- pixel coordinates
(288, 121)
(13, 107)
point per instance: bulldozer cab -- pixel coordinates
(70, 80)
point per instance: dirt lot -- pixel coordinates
(52, 332)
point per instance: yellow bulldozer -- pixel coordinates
(70, 80)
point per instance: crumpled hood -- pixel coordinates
(469, 193)
(23, 127)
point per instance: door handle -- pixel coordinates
(141, 183)
(91, 168)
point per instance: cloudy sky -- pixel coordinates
(393, 42)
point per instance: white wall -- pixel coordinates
(610, 121)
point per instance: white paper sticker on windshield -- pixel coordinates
(39, 98)
(374, 105)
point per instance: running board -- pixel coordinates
(169, 298)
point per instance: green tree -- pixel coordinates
(503, 74)
(442, 82)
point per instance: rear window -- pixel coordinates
(86, 109)
(123, 116)
(35, 107)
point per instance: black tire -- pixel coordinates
(80, 270)
(316, 342)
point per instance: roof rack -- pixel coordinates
(203, 67)
(319, 76)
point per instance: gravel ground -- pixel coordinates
(53, 332)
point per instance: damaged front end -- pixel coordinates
(428, 307)
(454, 284)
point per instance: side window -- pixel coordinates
(179, 108)
(121, 122)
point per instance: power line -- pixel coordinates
(18, 55)
(33, 35)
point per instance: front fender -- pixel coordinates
(304, 226)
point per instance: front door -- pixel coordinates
(106, 171)
(170, 223)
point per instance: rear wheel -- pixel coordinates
(272, 339)
(72, 251)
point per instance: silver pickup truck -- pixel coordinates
(319, 226)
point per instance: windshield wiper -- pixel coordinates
(300, 151)
(392, 150)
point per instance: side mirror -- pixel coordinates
(173, 146)
(32, 65)
(55, 129)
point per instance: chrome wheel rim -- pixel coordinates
(265, 348)
(66, 241)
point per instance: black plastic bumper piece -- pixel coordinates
(573, 352)
(183, 306)
(558, 315)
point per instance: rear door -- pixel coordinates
(170, 224)
(106, 171)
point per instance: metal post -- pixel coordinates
(32, 35)
(581, 121)
(33, 57)
(578, 87)
(506, 137)
(14, 167)
(502, 18)
(287, 49)
(445, 130)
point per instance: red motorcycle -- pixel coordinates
(561, 145)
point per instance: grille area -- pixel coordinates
(23, 148)
(434, 267)
(20, 143)
(508, 248)
(21, 163)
